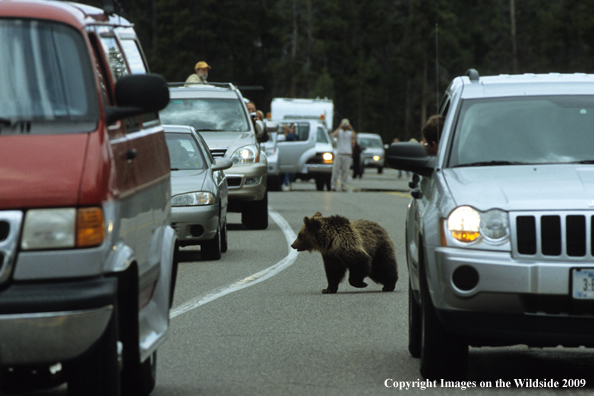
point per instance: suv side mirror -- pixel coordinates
(137, 94)
(410, 157)
(271, 127)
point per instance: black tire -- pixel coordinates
(443, 354)
(414, 324)
(97, 372)
(320, 184)
(140, 378)
(224, 236)
(211, 250)
(255, 215)
(174, 265)
(380, 169)
(274, 183)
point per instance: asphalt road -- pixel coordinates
(256, 322)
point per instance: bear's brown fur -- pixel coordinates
(361, 246)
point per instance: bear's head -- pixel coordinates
(309, 237)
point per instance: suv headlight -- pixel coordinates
(466, 224)
(63, 228)
(245, 155)
(193, 199)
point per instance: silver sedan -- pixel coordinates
(199, 192)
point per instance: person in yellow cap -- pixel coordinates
(201, 73)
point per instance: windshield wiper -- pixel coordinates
(489, 163)
(209, 130)
(5, 121)
(584, 162)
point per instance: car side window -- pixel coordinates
(134, 56)
(115, 57)
(321, 137)
(303, 131)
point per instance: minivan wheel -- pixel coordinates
(255, 215)
(97, 372)
(414, 324)
(443, 354)
(211, 250)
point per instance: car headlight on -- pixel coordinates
(245, 155)
(467, 224)
(193, 199)
(376, 158)
(327, 158)
(63, 228)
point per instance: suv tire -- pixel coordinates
(414, 324)
(443, 355)
(255, 214)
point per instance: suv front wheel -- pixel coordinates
(443, 354)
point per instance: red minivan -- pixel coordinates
(86, 246)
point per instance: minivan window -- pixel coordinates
(207, 115)
(526, 130)
(47, 83)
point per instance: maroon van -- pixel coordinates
(86, 247)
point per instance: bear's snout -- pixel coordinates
(297, 245)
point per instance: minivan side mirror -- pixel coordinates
(410, 157)
(137, 94)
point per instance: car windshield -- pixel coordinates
(527, 130)
(47, 79)
(184, 152)
(370, 142)
(205, 114)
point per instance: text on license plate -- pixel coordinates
(583, 283)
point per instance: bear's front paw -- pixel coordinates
(329, 291)
(388, 288)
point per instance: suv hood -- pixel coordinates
(41, 170)
(528, 187)
(228, 140)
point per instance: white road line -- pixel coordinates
(250, 280)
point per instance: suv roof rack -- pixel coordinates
(186, 84)
(473, 74)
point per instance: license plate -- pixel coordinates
(583, 283)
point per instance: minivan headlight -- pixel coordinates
(467, 224)
(63, 228)
(245, 155)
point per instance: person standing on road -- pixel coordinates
(201, 74)
(290, 136)
(346, 137)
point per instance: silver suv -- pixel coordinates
(310, 157)
(218, 112)
(500, 230)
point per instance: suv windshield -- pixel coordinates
(204, 114)
(370, 142)
(46, 79)
(532, 130)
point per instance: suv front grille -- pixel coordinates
(218, 152)
(554, 235)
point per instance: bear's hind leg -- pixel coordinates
(335, 272)
(359, 269)
(385, 271)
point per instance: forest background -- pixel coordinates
(384, 63)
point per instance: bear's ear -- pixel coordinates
(312, 224)
(317, 214)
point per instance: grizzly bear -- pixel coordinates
(362, 246)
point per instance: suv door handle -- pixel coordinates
(131, 154)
